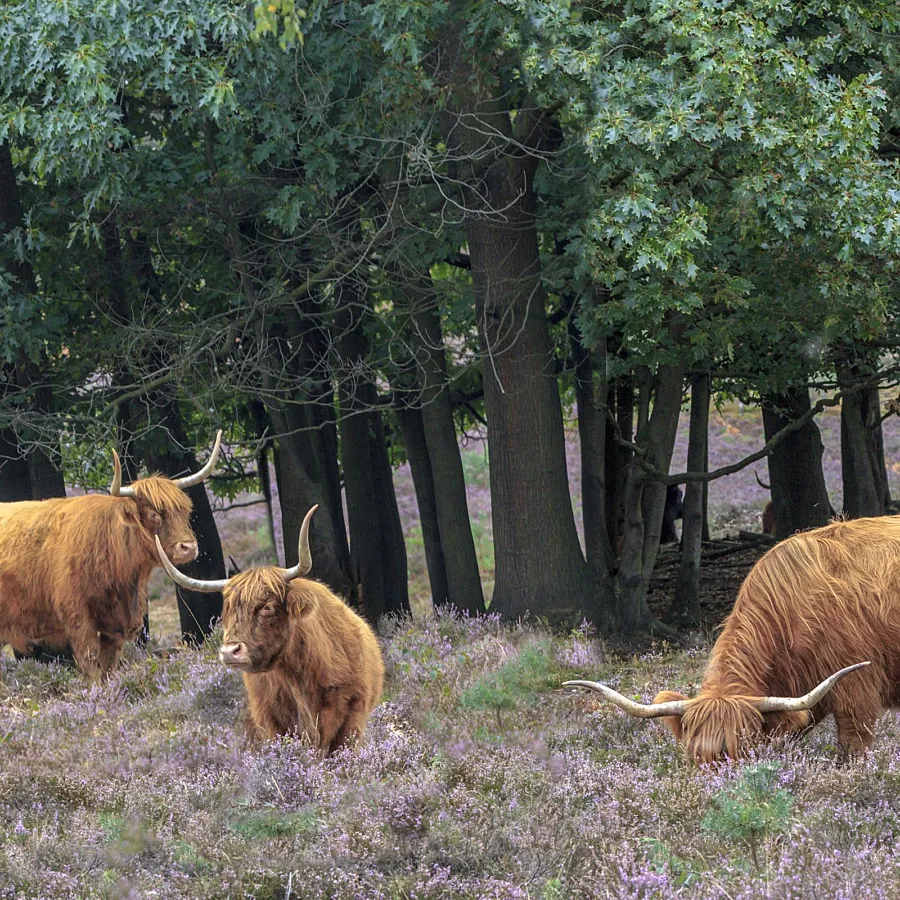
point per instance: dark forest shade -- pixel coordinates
(457, 546)
(377, 548)
(410, 421)
(686, 599)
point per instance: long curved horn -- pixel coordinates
(807, 701)
(192, 584)
(641, 710)
(305, 556)
(206, 471)
(761, 483)
(116, 489)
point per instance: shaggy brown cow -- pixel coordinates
(74, 570)
(310, 664)
(818, 602)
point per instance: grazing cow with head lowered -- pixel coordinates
(821, 602)
(310, 664)
(74, 570)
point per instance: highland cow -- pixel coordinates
(74, 570)
(311, 665)
(820, 602)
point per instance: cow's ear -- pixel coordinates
(673, 723)
(300, 601)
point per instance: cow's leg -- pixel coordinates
(332, 718)
(856, 730)
(85, 640)
(353, 726)
(110, 651)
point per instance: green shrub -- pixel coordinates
(752, 809)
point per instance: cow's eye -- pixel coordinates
(267, 612)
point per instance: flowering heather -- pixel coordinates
(479, 778)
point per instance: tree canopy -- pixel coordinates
(347, 231)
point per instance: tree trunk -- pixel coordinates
(590, 399)
(686, 600)
(305, 448)
(871, 406)
(862, 492)
(460, 562)
(377, 549)
(706, 536)
(645, 498)
(618, 458)
(15, 474)
(46, 479)
(540, 568)
(799, 496)
(265, 488)
(411, 426)
(297, 494)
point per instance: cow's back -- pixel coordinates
(56, 553)
(26, 604)
(817, 602)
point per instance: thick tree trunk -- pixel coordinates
(686, 600)
(863, 495)
(463, 579)
(47, 480)
(799, 495)
(15, 475)
(413, 431)
(871, 406)
(377, 549)
(540, 568)
(298, 492)
(539, 565)
(645, 498)
(306, 464)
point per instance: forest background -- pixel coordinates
(354, 234)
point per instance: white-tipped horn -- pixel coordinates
(304, 563)
(641, 710)
(807, 701)
(192, 584)
(116, 489)
(206, 471)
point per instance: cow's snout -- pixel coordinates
(185, 552)
(233, 654)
